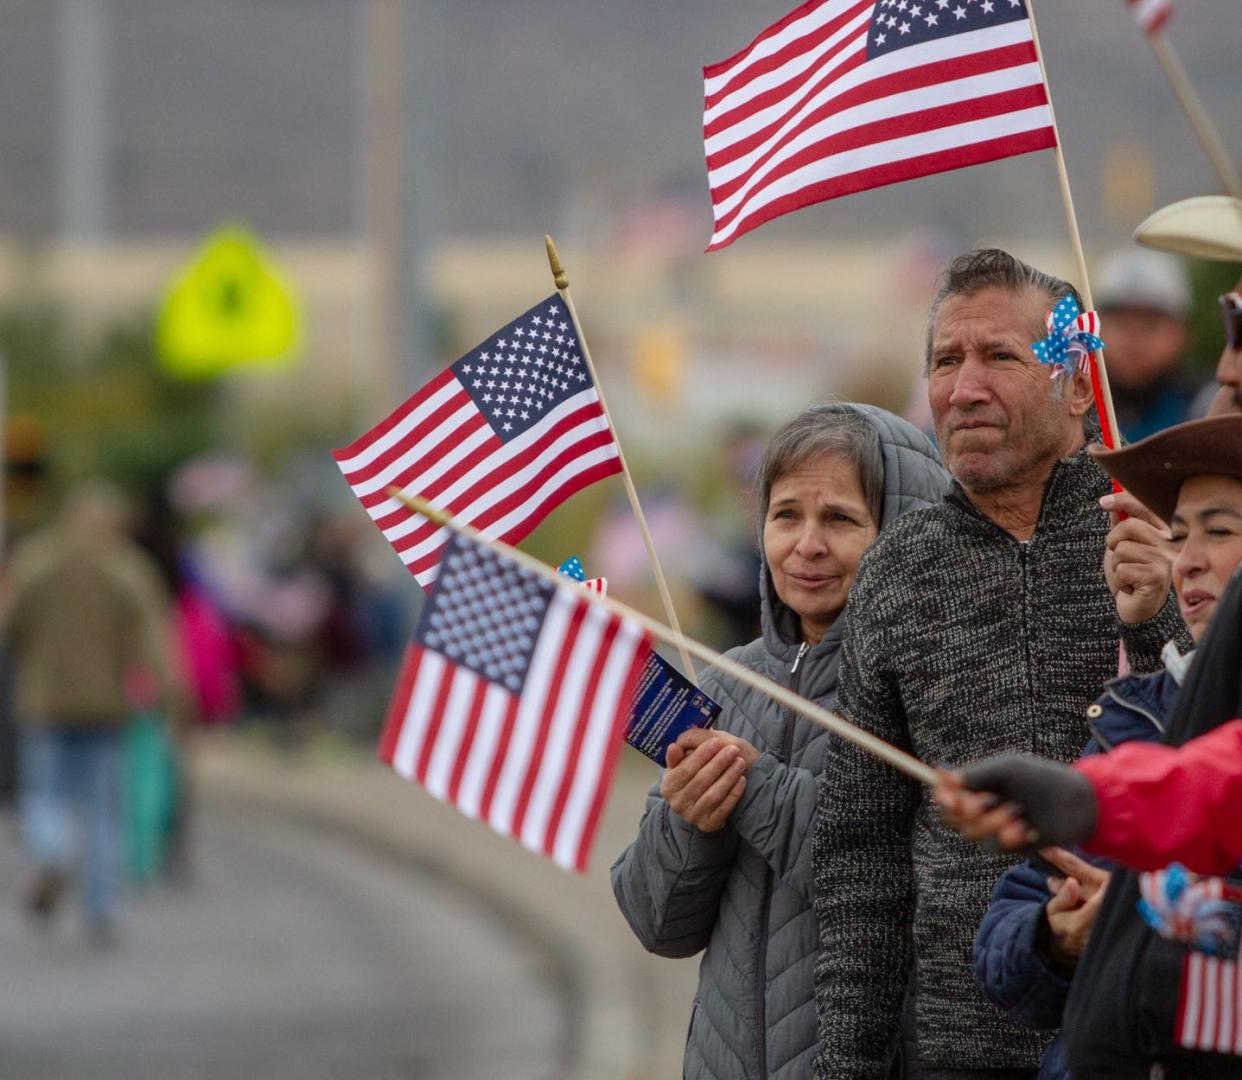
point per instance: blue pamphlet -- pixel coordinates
(666, 703)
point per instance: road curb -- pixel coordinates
(625, 1012)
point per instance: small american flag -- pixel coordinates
(512, 700)
(845, 95)
(1151, 15)
(1209, 1009)
(499, 439)
(1209, 1012)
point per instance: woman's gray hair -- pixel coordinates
(991, 268)
(825, 429)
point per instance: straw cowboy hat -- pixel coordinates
(1154, 469)
(1205, 227)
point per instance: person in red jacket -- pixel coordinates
(1144, 805)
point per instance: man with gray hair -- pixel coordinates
(978, 626)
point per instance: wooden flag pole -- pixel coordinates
(562, 285)
(1209, 137)
(1099, 373)
(838, 725)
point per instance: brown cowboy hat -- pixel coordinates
(1153, 470)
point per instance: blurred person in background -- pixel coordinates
(725, 576)
(83, 608)
(722, 862)
(1144, 300)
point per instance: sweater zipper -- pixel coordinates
(761, 967)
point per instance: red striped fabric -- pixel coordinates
(536, 764)
(1151, 15)
(836, 98)
(1209, 1015)
(444, 446)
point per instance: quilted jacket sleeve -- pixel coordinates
(669, 880)
(1010, 969)
(774, 816)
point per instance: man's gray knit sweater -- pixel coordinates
(961, 643)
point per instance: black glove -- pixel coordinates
(1056, 801)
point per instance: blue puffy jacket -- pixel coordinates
(1010, 969)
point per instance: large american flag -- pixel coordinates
(845, 95)
(512, 700)
(499, 439)
(1151, 14)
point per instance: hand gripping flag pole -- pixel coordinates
(838, 725)
(1099, 373)
(1205, 130)
(562, 284)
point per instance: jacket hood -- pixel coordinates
(913, 479)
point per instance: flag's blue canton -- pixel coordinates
(525, 369)
(572, 568)
(898, 23)
(485, 613)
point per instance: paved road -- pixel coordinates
(297, 954)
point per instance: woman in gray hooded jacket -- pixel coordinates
(722, 862)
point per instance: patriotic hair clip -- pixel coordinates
(1072, 338)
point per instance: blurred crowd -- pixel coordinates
(132, 619)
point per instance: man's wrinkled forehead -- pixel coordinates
(1016, 316)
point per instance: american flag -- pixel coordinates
(845, 95)
(499, 439)
(1151, 15)
(1209, 1010)
(512, 700)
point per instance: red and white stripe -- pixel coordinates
(1151, 15)
(801, 115)
(536, 767)
(440, 447)
(1209, 1012)
(1209, 1015)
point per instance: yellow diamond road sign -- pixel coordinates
(229, 306)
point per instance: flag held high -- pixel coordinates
(499, 439)
(845, 95)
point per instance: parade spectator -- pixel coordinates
(1033, 935)
(83, 608)
(722, 860)
(984, 621)
(1143, 805)
(1208, 227)
(1143, 298)
(1143, 1003)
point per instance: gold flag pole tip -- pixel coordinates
(554, 261)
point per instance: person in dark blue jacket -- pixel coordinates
(1036, 927)
(1030, 939)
